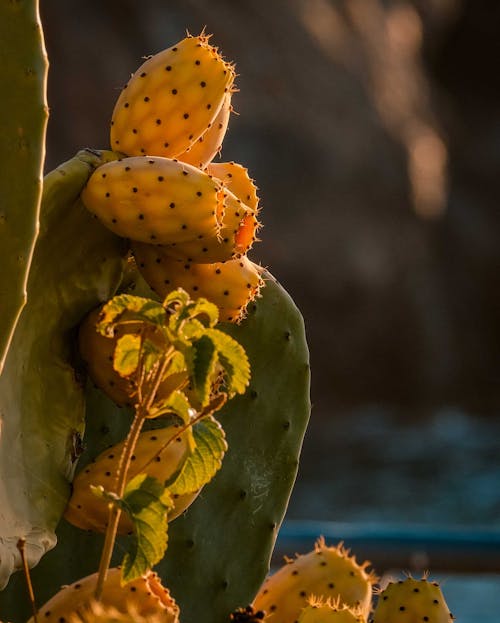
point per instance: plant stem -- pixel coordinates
(115, 512)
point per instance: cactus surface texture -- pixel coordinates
(77, 263)
(22, 152)
(220, 549)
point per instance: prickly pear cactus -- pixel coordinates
(22, 149)
(77, 263)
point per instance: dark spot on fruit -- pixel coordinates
(174, 91)
(203, 84)
(172, 205)
(168, 68)
(186, 115)
(199, 193)
(134, 190)
(160, 178)
(146, 99)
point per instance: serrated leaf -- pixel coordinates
(198, 309)
(204, 461)
(203, 360)
(140, 309)
(176, 403)
(127, 353)
(233, 358)
(176, 298)
(146, 502)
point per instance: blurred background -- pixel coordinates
(372, 128)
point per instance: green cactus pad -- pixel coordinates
(24, 113)
(77, 264)
(219, 552)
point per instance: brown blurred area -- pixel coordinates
(372, 128)
(373, 131)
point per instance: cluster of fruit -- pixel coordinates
(326, 585)
(190, 221)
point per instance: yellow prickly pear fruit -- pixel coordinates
(327, 571)
(237, 234)
(97, 352)
(328, 611)
(230, 285)
(155, 200)
(412, 601)
(171, 100)
(146, 596)
(236, 179)
(95, 612)
(209, 144)
(158, 453)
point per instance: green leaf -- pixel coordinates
(204, 461)
(199, 309)
(233, 359)
(151, 354)
(147, 502)
(139, 308)
(126, 355)
(176, 403)
(203, 360)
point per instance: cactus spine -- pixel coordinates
(327, 571)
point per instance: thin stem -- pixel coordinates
(21, 547)
(115, 512)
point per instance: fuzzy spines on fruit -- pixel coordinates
(419, 601)
(158, 453)
(171, 100)
(155, 200)
(327, 571)
(95, 612)
(321, 610)
(145, 595)
(236, 178)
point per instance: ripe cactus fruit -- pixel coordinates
(158, 453)
(156, 200)
(209, 144)
(97, 613)
(146, 595)
(230, 285)
(97, 352)
(412, 601)
(327, 571)
(171, 99)
(329, 611)
(236, 179)
(236, 236)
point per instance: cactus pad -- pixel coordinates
(220, 550)
(22, 152)
(76, 264)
